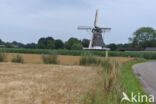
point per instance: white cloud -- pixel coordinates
(28, 20)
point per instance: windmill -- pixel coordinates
(96, 42)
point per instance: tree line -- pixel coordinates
(141, 38)
(49, 43)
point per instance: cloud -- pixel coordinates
(28, 20)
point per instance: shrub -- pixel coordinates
(77, 46)
(17, 59)
(50, 59)
(2, 57)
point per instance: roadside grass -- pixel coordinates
(130, 83)
(113, 80)
(106, 89)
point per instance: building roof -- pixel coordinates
(150, 49)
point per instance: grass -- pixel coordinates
(43, 84)
(17, 59)
(107, 89)
(50, 59)
(129, 81)
(89, 60)
(146, 55)
(2, 57)
(114, 79)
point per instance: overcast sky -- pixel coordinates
(28, 20)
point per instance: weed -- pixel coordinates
(17, 59)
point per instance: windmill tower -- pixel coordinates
(96, 42)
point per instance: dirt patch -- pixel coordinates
(63, 59)
(44, 84)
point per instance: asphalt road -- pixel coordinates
(146, 72)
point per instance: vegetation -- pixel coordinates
(128, 79)
(71, 42)
(146, 55)
(77, 46)
(2, 57)
(89, 60)
(17, 59)
(144, 37)
(107, 90)
(50, 59)
(113, 80)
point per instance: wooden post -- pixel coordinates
(106, 54)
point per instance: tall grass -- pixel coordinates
(17, 59)
(2, 57)
(89, 60)
(50, 59)
(106, 89)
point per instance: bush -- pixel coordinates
(2, 57)
(17, 59)
(77, 46)
(50, 59)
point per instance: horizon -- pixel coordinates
(26, 21)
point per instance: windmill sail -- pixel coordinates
(96, 18)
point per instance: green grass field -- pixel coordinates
(146, 55)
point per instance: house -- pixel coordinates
(150, 49)
(2, 46)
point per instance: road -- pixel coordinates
(146, 72)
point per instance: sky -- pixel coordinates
(28, 20)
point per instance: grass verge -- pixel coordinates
(112, 82)
(130, 83)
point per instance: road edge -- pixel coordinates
(148, 90)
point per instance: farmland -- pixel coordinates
(43, 84)
(63, 59)
(146, 55)
(66, 83)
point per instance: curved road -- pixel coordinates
(146, 72)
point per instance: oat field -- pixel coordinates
(44, 84)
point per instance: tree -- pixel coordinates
(50, 43)
(112, 46)
(70, 42)
(59, 44)
(46, 43)
(18, 44)
(31, 45)
(77, 46)
(85, 42)
(42, 43)
(143, 37)
(1, 42)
